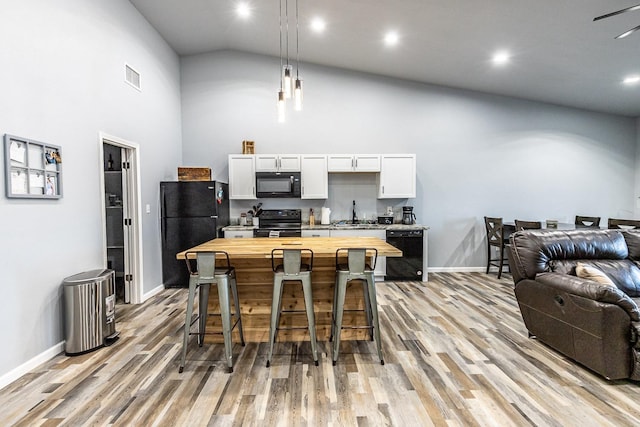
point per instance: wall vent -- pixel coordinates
(131, 76)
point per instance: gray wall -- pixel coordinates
(477, 154)
(61, 82)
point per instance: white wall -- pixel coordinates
(477, 154)
(61, 82)
(637, 187)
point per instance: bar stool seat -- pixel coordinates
(356, 269)
(292, 269)
(202, 277)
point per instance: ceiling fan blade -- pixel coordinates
(608, 15)
(626, 33)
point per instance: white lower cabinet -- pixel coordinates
(381, 264)
(238, 234)
(316, 233)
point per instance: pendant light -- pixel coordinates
(290, 87)
(281, 96)
(297, 89)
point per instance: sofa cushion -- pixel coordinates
(536, 251)
(624, 273)
(588, 272)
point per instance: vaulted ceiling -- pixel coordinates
(558, 54)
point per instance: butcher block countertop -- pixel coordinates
(322, 247)
(252, 261)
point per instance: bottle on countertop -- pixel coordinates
(312, 218)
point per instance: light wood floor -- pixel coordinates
(456, 353)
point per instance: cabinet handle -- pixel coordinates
(356, 163)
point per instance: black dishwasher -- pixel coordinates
(409, 266)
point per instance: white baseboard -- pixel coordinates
(457, 269)
(30, 365)
(153, 292)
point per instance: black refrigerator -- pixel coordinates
(192, 212)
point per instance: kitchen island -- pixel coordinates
(252, 260)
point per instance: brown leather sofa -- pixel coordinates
(594, 324)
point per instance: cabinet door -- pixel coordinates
(314, 177)
(367, 163)
(238, 234)
(266, 163)
(316, 233)
(381, 264)
(397, 176)
(340, 162)
(242, 177)
(289, 163)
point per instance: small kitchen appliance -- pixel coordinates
(408, 217)
(325, 214)
(385, 219)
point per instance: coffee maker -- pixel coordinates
(408, 217)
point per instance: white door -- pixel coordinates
(121, 216)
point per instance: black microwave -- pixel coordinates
(277, 184)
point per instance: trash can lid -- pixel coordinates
(88, 276)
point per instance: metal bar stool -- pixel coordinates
(356, 269)
(203, 277)
(292, 269)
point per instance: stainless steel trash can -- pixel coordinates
(89, 310)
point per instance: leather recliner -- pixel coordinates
(594, 324)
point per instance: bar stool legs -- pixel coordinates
(291, 270)
(357, 270)
(225, 281)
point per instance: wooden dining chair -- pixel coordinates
(587, 221)
(616, 223)
(496, 241)
(528, 225)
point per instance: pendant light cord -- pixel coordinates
(280, 17)
(297, 44)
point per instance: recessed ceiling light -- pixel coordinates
(391, 38)
(318, 25)
(631, 80)
(501, 58)
(243, 10)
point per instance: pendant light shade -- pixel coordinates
(281, 107)
(297, 95)
(287, 81)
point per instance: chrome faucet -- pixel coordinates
(354, 218)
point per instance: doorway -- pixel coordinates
(120, 183)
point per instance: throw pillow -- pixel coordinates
(588, 272)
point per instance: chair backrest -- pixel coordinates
(291, 259)
(528, 225)
(205, 263)
(587, 221)
(357, 258)
(495, 231)
(624, 223)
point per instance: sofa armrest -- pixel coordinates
(592, 290)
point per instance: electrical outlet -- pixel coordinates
(148, 208)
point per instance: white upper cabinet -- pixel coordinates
(277, 162)
(397, 179)
(354, 163)
(242, 176)
(314, 176)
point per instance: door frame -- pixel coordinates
(135, 210)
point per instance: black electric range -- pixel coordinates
(279, 223)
